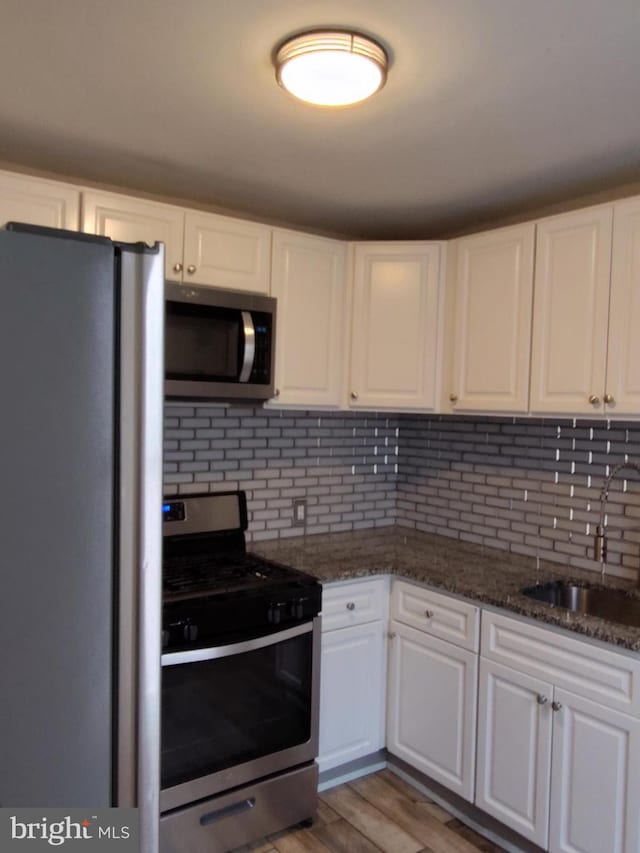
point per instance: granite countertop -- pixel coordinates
(485, 575)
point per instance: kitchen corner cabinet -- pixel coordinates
(353, 671)
(558, 760)
(395, 343)
(431, 711)
(37, 201)
(492, 325)
(309, 281)
(200, 248)
(571, 310)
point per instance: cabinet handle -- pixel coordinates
(594, 400)
(177, 267)
(354, 395)
(191, 269)
(453, 398)
(541, 699)
(351, 606)
(556, 706)
(428, 614)
(608, 398)
(391, 635)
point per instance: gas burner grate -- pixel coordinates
(197, 573)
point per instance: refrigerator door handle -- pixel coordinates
(140, 427)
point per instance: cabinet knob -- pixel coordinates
(391, 635)
(428, 614)
(354, 395)
(191, 269)
(541, 699)
(276, 393)
(556, 706)
(351, 605)
(177, 267)
(608, 398)
(453, 398)
(594, 400)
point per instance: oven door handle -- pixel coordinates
(198, 655)
(249, 346)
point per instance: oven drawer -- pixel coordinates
(231, 820)
(345, 604)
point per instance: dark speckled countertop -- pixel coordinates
(482, 574)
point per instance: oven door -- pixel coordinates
(235, 713)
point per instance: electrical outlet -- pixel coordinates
(299, 513)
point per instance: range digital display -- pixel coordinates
(173, 511)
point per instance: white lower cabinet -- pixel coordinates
(595, 778)
(431, 707)
(353, 677)
(561, 769)
(433, 680)
(514, 750)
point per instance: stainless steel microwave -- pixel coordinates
(219, 344)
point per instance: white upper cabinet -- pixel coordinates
(309, 281)
(38, 202)
(130, 220)
(571, 307)
(492, 325)
(396, 308)
(200, 248)
(622, 392)
(225, 252)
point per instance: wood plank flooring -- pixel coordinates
(379, 813)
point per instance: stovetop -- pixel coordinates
(207, 574)
(212, 589)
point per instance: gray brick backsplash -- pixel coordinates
(339, 462)
(528, 485)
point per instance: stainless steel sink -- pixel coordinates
(611, 604)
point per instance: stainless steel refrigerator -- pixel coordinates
(81, 379)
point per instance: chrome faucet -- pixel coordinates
(600, 538)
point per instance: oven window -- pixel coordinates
(202, 343)
(219, 713)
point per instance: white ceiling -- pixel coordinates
(491, 107)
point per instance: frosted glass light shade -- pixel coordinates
(331, 69)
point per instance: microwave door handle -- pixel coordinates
(249, 346)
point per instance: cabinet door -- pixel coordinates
(352, 692)
(432, 707)
(514, 749)
(308, 279)
(225, 252)
(492, 343)
(394, 355)
(130, 219)
(623, 358)
(38, 202)
(595, 781)
(570, 314)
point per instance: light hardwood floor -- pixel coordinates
(377, 813)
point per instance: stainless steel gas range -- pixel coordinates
(240, 683)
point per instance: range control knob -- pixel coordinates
(165, 638)
(273, 614)
(190, 632)
(297, 608)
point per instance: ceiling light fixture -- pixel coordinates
(331, 68)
